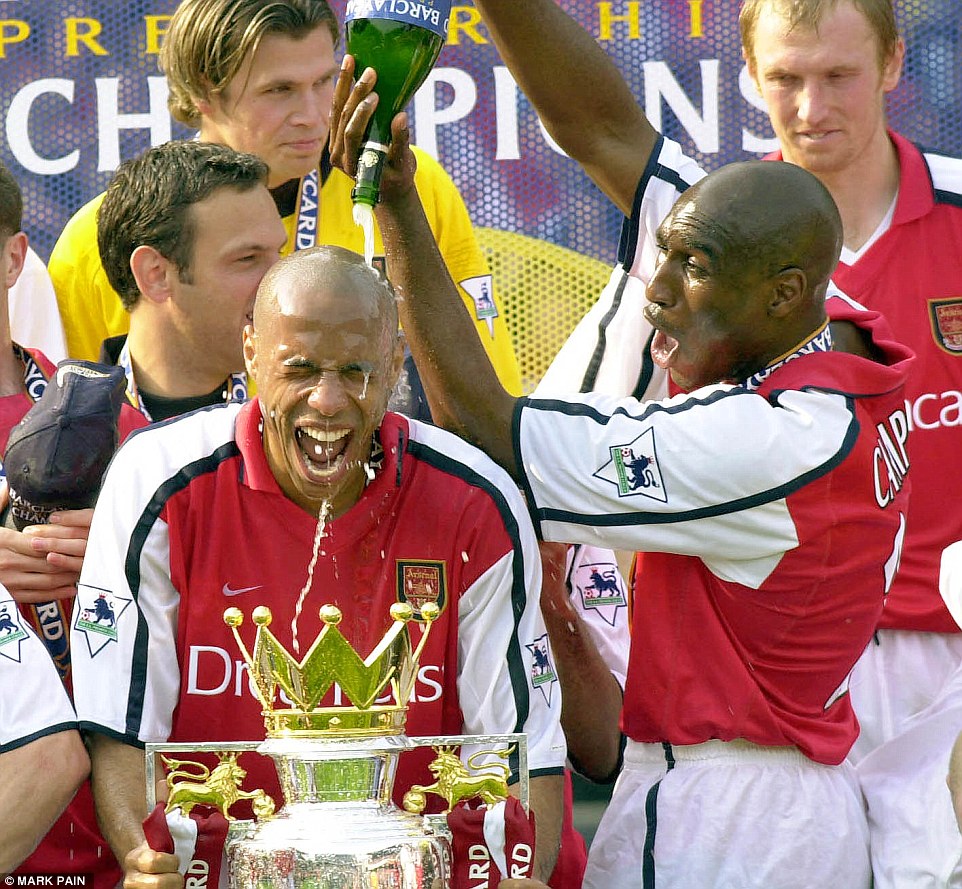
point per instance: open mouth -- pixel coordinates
(323, 450)
(663, 349)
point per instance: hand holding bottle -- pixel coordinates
(352, 108)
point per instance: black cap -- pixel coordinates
(57, 454)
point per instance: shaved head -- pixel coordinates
(288, 287)
(771, 215)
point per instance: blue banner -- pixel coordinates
(80, 90)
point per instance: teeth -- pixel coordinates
(323, 435)
(325, 471)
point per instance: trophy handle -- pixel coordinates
(518, 740)
(218, 787)
(455, 780)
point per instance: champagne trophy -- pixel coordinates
(401, 41)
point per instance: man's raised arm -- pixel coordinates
(579, 94)
(465, 394)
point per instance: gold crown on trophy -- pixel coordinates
(330, 659)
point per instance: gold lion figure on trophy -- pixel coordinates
(218, 788)
(454, 782)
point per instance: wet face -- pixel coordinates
(238, 236)
(706, 304)
(824, 90)
(325, 365)
(278, 105)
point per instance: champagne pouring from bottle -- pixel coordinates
(401, 41)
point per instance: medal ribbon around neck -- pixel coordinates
(308, 205)
(236, 388)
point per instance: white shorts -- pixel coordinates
(915, 840)
(904, 674)
(730, 815)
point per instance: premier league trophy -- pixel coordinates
(338, 827)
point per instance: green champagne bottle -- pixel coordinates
(401, 40)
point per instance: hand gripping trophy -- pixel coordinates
(338, 827)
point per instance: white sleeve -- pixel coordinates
(33, 701)
(123, 634)
(671, 476)
(607, 352)
(34, 315)
(598, 594)
(507, 681)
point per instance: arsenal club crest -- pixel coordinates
(419, 582)
(946, 316)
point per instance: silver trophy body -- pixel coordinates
(338, 828)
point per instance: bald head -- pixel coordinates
(292, 287)
(769, 216)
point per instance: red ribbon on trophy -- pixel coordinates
(197, 840)
(491, 845)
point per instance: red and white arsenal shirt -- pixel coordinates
(191, 521)
(771, 521)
